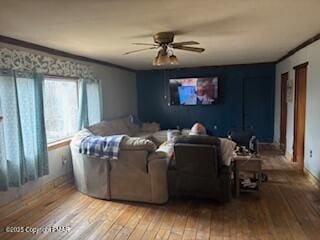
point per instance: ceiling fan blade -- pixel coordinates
(192, 49)
(140, 50)
(146, 44)
(185, 43)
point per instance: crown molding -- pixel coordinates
(300, 46)
(212, 66)
(24, 44)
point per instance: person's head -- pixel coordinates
(198, 129)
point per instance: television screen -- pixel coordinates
(193, 91)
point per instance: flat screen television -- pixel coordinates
(193, 91)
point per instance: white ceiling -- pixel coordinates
(231, 31)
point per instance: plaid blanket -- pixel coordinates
(103, 147)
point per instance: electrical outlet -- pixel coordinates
(310, 153)
(215, 127)
(64, 160)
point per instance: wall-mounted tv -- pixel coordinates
(193, 91)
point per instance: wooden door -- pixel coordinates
(283, 114)
(299, 113)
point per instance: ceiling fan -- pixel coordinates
(164, 41)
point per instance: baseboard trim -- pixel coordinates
(311, 177)
(43, 189)
(288, 156)
(274, 145)
(49, 186)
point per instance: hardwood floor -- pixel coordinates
(288, 207)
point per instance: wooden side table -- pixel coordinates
(247, 164)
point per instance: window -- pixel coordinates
(60, 107)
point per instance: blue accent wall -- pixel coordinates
(246, 99)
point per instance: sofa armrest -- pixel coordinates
(167, 149)
(157, 155)
(157, 168)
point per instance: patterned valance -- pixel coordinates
(25, 61)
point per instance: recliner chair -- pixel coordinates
(197, 170)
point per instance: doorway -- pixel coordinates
(300, 113)
(283, 114)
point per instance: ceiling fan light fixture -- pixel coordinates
(173, 60)
(162, 58)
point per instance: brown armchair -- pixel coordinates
(197, 169)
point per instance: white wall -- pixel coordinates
(310, 54)
(119, 91)
(119, 99)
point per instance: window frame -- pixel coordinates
(65, 140)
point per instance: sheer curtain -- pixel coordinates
(23, 154)
(83, 119)
(90, 103)
(3, 163)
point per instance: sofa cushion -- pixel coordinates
(150, 127)
(134, 143)
(160, 136)
(108, 128)
(101, 129)
(144, 135)
(119, 127)
(133, 128)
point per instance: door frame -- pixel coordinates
(283, 111)
(297, 96)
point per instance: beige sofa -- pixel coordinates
(139, 174)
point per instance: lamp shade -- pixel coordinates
(164, 59)
(155, 61)
(173, 59)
